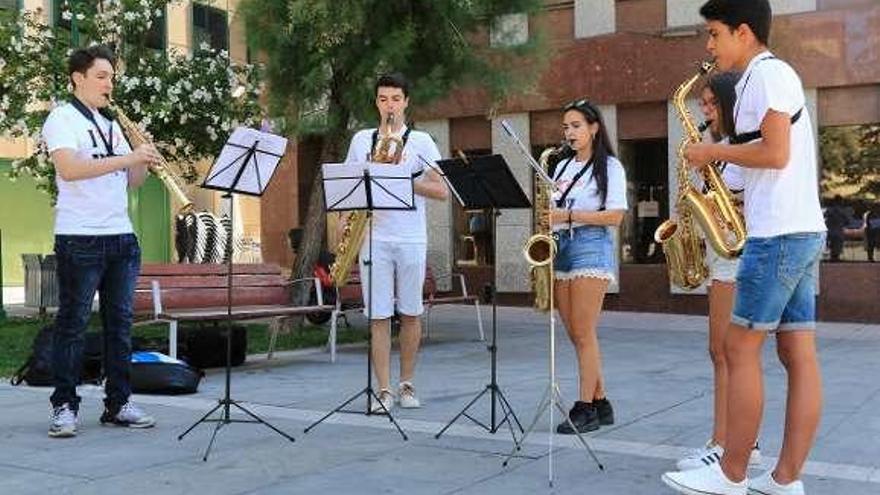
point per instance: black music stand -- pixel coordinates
(367, 187)
(487, 182)
(246, 164)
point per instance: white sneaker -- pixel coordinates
(710, 454)
(384, 404)
(407, 396)
(707, 480)
(63, 422)
(129, 415)
(755, 458)
(697, 458)
(766, 485)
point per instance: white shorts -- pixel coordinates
(721, 268)
(395, 264)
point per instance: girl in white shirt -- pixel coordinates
(591, 202)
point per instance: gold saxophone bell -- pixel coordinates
(539, 249)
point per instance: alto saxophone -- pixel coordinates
(715, 211)
(389, 149)
(540, 249)
(162, 170)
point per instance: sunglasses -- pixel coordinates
(583, 105)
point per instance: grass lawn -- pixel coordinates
(17, 335)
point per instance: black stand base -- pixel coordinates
(225, 419)
(496, 394)
(371, 396)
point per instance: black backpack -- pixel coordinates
(37, 369)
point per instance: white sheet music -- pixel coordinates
(345, 188)
(256, 174)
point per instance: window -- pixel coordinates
(210, 26)
(850, 185)
(647, 196)
(155, 38)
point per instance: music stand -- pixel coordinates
(246, 164)
(367, 187)
(552, 394)
(486, 182)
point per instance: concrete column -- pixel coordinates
(514, 227)
(439, 213)
(609, 112)
(593, 18)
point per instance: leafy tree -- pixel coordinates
(851, 157)
(322, 58)
(182, 100)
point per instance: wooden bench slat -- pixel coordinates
(201, 298)
(209, 282)
(152, 269)
(241, 312)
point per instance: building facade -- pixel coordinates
(627, 56)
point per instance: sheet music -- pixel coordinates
(256, 174)
(345, 188)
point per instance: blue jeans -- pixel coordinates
(110, 265)
(776, 282)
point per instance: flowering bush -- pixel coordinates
(184, 101)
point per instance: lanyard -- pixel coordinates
(108, 139)
(583, 170)
(746, 85)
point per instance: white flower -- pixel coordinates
(129, 16)
(67, 15)
(80, 16)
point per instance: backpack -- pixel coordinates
(37, 368)
(156, 373)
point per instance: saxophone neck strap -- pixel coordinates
(106, 139)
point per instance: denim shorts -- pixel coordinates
(587, 252)
(776, 282)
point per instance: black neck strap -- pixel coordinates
(88, 114)
(577, 177)
(376, 138)
(748, 137)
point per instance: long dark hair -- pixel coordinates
(723, 88)
(602, 147)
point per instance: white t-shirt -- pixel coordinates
(584, 195)
(399, 225)
(96, 206)
(785, 201)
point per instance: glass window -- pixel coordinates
(647, 185)
(210, 26)
(155, 37)
(851, 191)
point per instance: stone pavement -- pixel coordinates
(657, 372)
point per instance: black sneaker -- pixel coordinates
(584, 417)
(605, 411)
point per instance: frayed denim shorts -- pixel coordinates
(587, 252)
(776, 282)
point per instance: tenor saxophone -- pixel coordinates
(540, 249)
(389, 149)
(715, 211)
(162, 170)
